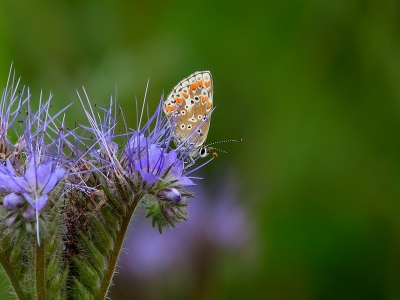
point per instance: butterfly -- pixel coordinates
(188, 108)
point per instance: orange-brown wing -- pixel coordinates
(189, 107)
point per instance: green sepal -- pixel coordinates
(166, 214)
(101, 237)
(119, 207)
(52, 243)
(58, 281)
(52, 264)
(4, 243)
(123, 194)
(80, 292)
(88, 275)
(113, 221)
(15, 255)
(95, 255)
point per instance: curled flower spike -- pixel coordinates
(34, 167)
(146, 161)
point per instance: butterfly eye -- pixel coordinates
(203, 152)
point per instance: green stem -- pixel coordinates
(112, 262)
(40, 272)
(12, 277)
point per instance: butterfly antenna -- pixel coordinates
(225, 141)
(215, 155)
(209, 149)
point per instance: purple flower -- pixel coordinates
(43, 166)
(37, 182)
(34, 184)
(7, 176)
(137, 145)
(36, 163)
(163, 166)
(147, 153)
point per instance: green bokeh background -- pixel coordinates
(313, 88)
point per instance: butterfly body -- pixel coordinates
(188, 108)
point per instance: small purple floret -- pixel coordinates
(137, 144)
(170, 195)
(35, 184)
(29, 213)
(157, 162)
(39, 181)
(13, 201)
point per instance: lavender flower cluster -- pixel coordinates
(36, 164)
(72, 192)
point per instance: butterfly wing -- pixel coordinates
(189, 108)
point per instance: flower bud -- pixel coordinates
(169, 195)
(29, 213)
(13, 201)
(29, 228)
(10, 219)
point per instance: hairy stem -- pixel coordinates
(12, 277)
(112, 263)
(40, 272)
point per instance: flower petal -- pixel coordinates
(36, 203)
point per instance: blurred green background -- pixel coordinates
(312, 87)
